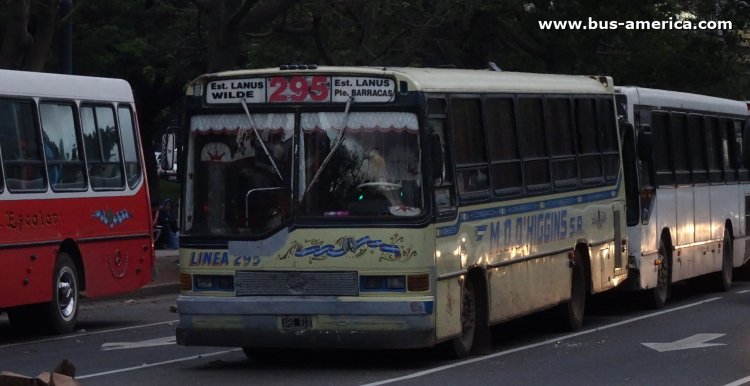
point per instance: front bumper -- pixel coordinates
(255, 321)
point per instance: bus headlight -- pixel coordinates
(213, 282)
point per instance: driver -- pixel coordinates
(376, 169)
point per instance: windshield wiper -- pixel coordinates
(260, 139)
(335, 147)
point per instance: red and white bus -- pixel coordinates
(75, 216)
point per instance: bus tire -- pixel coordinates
(462, 345)
(574, 309)
(62, 311)
(724, 277)
(657, 296)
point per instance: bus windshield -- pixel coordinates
(244, 166)
(375, 171)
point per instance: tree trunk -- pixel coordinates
(44, 36)
(16, 40)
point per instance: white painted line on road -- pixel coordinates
(739, 382)
(535, 345)
(147, 365)
(71, 336)
(165, 341)
(743, 291)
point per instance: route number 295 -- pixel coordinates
(299, 89)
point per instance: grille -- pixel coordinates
(252, 283)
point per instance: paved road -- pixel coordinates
(131, 342)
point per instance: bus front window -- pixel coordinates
(375, 171)
(242, 174)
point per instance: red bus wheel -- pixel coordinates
(62, 311)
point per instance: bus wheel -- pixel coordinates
(462, 345)
(574, 309)
(62, 311)
(658, 295)
(724, 282)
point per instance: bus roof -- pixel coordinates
(682, 100)
(451, 80)
(48, 85)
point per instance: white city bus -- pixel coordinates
(687, 187)
(357, 207)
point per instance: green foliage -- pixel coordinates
(159, 45)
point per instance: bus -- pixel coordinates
(688, 187)
(358, 207)
(76, 218)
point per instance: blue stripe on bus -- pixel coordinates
(488, 213)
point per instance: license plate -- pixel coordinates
(295, 322)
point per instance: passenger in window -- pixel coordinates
(478, 180)
(52, 153)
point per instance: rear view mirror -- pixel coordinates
(168, 152)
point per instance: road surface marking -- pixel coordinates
(167, 340)
(743, 291)
(87, 333)
(695, 341)
(535, 345)
(739, 382)
(147, 365)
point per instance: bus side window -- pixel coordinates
(561, 143)
(662, 149)
(697, 156)
(745, 149)
(102, 142)
(505, 168)
(608, 139)
(472, 178)
(61, 144)
(729, 149)
(533, 141)
(677, 138)
(713, 150)
(129, 145)
(444, 191)
(445, 199)
(21, 147)
(589, 155)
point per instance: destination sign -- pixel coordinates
(301, 89)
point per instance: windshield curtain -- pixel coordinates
(375, 171)
(236, 187)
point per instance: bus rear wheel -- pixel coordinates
(573, 310)
(62, 311)
(724, 281)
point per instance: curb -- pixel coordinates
(159, 289)
(149, 290)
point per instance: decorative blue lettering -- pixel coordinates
(495, 236)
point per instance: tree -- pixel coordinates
(29, 32)
(227, 22)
